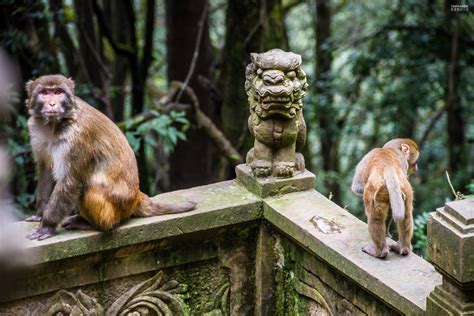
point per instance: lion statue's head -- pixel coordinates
(275, 84)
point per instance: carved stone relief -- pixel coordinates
(68, 303)
(219, 304)
(151, 297)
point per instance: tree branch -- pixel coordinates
(118, 48)
(214, 93)
(290, 4)
(149, 29)
(62, 34)
(214, 133)
(144, 117)
(431, 125)
(196, 51)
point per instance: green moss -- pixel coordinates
(288, 301)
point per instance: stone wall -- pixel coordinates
(240, 252)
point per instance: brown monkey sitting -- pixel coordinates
(382, 178)
(84, 164)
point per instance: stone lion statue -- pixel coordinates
(275, 85)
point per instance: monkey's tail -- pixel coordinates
(147, 207)
(395, 194)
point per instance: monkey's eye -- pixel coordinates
(58, 91)
(43, 91)
(291, 74)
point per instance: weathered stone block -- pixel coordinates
(451, 250)
(443, 302)
(333, 235)
(451, 240)
(272, 186)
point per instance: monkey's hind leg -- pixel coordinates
(376, 215)
(405, 228)
(77, 222)
(98, 209)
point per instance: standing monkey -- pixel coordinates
(84, 164)
(382, 178)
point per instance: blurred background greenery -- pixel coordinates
(171, 74)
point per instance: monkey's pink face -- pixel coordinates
(52, 101)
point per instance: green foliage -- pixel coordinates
(470, 190)
(388, 79)
(168, 129)
(419, 233)
(19, 148)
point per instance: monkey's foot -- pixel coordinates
(76, 222)
(284, 170)
(374, 252)
(402, 250)
(41, 233)
(261, 168)
(33, 218)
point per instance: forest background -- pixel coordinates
(170, 73)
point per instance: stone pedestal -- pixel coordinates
(271, 186)
(451, 250)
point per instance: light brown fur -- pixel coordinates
(86, 164)
(382, 178)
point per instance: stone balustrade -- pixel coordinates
(252, 247)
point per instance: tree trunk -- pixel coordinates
(456, 124)
(90, 51)
(329, 127)
(120, 28)
(62, 36)
(243, 36)
(193, 161)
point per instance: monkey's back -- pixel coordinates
(378, 160)
(112, 167)
(381, 161)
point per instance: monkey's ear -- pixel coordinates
(29, 87)
(405, 150)
(71, 84)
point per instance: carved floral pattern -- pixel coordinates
(151, 297)
(218, 306)
(313, 294)
(67, 303)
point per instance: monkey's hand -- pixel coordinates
(33, 218)
(41, 233)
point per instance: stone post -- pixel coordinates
(451, 250)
